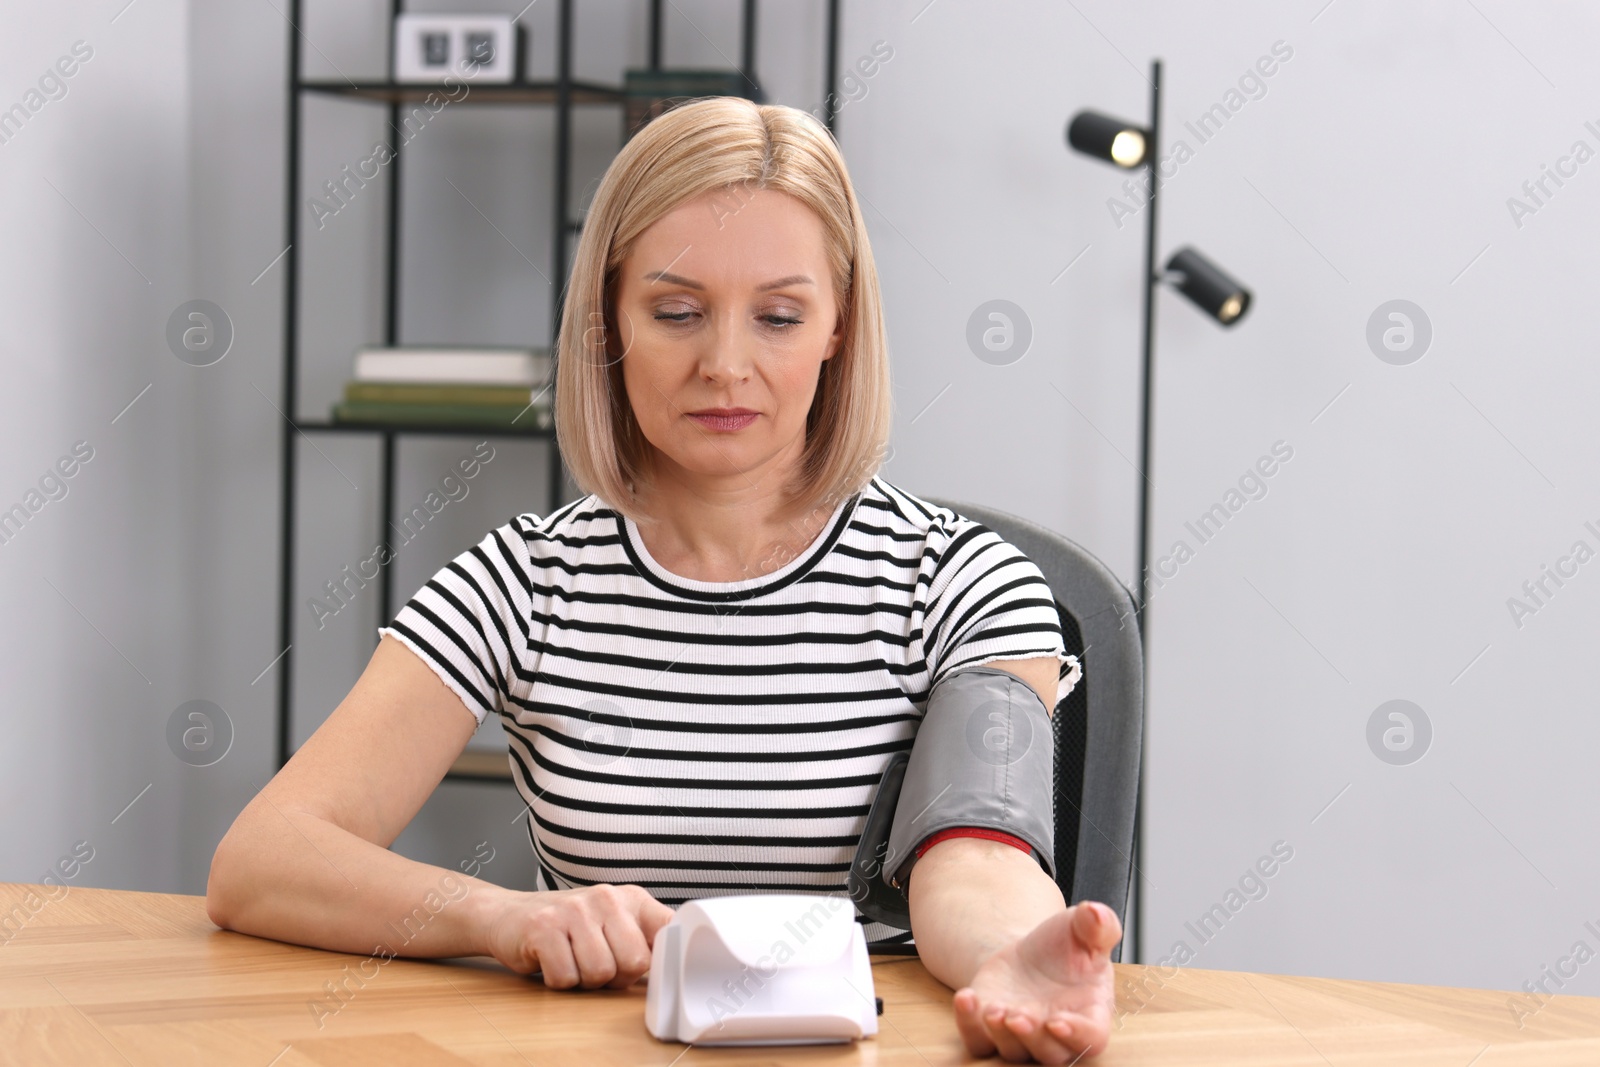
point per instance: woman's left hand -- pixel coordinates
(1047, 996)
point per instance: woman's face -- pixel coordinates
(725, 309)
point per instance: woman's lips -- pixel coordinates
(724, 422)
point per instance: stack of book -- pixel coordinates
(501, 388)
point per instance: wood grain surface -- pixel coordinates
(103, 976)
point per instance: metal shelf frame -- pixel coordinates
(563, 93)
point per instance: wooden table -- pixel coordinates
(107, 977)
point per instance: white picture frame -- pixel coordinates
(434, 48)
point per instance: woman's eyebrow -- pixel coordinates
(793, 279)
(690, 283)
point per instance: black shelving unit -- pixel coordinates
(563, 93)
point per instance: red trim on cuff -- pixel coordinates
(974, 831)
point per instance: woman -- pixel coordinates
(704, 665)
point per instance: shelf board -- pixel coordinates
(890, 948)
(445, 430)
(481, 766)
(480, 92)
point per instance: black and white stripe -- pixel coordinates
(701, 738)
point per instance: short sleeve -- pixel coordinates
(988, 601)
(464, 621)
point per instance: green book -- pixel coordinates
(438, 393)
(538, 416)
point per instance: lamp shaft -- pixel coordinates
(1147, 424)
(1147, 427)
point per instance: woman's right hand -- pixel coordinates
(596, 936)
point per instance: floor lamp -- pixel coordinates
(1207, 286)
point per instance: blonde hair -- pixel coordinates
(692, 149)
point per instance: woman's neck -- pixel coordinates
(726, 529)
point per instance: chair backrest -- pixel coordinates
(1100, 725)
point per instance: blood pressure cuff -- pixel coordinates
(983, 756)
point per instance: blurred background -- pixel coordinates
(1424, 488)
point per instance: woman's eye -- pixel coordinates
(778, 322)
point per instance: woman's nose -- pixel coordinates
(729, 351)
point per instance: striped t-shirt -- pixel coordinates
(704, 738)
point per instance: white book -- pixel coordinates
(466, 366)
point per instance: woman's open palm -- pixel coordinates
(1048, 996)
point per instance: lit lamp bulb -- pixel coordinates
(1127, 148)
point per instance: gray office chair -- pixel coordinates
(1099, 726)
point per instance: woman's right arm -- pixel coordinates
(308, 862)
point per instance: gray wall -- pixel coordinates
(1376, 166)
(102, 610)
(1374, 565)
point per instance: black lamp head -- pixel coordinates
(1104, 137)
(1207, 286)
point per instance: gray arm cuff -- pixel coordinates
(984, 756)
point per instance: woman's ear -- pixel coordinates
(836, 338)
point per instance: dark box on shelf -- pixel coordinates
(648, 93)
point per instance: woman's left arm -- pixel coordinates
(1033, 977)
